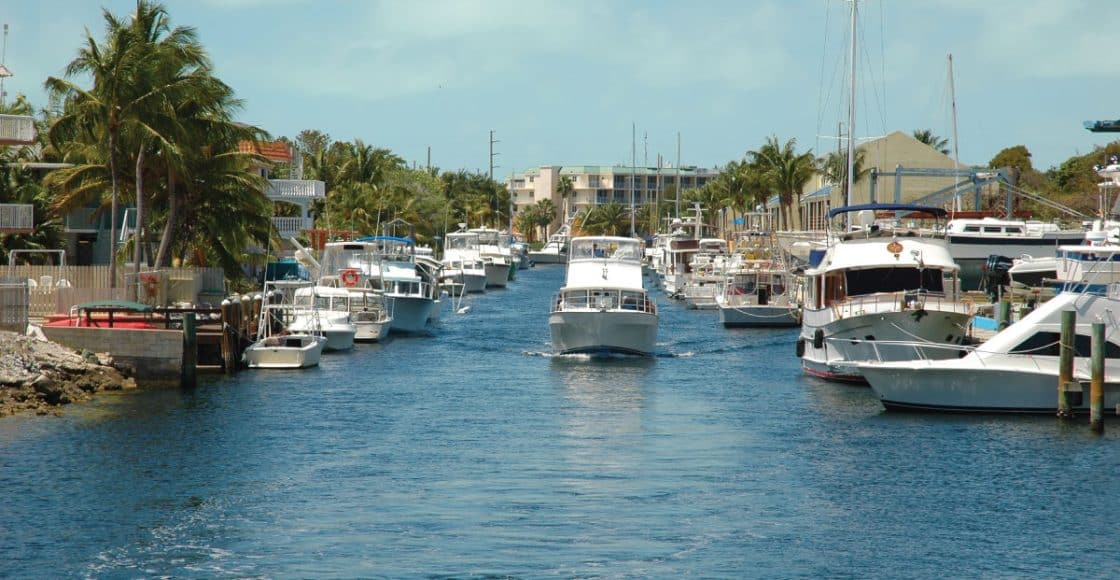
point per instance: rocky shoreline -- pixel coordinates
(41, 376)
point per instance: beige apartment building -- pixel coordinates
(601, 184)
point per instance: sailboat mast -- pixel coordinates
(851, 114)
(956, 152)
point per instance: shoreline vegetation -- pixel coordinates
(41, 377)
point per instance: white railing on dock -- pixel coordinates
(17, 218)
(17, 130)
(296, 189)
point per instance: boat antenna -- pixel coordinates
(956, 151)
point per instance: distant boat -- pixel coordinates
(759, 287)
(603, 308)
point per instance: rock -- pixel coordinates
(39, 376)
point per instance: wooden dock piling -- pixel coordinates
(1065, 364)
(1004, 314)
(1096, 384)
(190, 351)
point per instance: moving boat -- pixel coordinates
(1015, 371)
(878, 285)
(603, 308)
(276, 346)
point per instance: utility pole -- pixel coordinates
(633, 172)
(429, 165)
(493, 197)
(4, 72)
(678, 174)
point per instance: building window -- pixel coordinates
(593, 181)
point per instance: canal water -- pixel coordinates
(473, 453)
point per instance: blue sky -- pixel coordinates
(562, 82)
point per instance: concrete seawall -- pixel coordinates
(155, 357)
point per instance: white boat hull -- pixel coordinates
(603, 332)
(753, 315)
(995, 384)
(497, 274)
(841, 343)
(285, 352)
(542, 257)
(410, 313)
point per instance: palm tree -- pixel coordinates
(926, 136)
(565, 188)
(544, 212)
(834, 167)
(785, 170)
(610, 218)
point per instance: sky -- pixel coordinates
(564, 82)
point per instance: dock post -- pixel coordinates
(1065, 363)
(1004, 314)
(1096, 384)
(190, 351)
(227, 344)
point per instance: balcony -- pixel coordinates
(17, 130)
(17, 218)
(290, 227)
(298, 191)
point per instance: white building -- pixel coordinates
(601, 184)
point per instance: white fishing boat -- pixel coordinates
(496, 256)
(369, 314)
(407, 282)
(709, 270)
(555, 250)
(276, 346)
(462, 261)
(1015, 371)
(759, 291)
(603, 307)
(879, 285)
(324, 310)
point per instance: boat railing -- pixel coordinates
(603, 299)
(905, 300)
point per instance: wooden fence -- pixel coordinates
(54, 289)
(14, 304)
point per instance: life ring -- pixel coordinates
(349, 277)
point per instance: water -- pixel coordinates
(474, 453)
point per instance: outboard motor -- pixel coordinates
(995, 275)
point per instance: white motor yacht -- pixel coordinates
(1015, 371)
(324, 310)
(496, 257)
(389, 265)
(877, 285)
(555, 250)
(462, 261)
(603, 308)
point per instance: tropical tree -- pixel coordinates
(926, 136)
(608, 219)
(566, 188)
(544, 212)
(785, 171)
(834, 168)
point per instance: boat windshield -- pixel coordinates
(605, 248)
